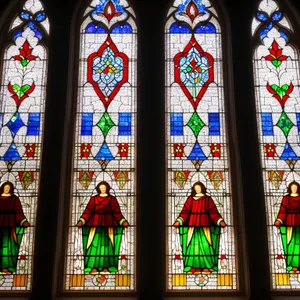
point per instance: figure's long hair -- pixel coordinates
(203, 188)
(289, 189)
(12, 188)
(107, 187)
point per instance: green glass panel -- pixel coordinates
(285, 124)
(105, 124)
(196, 124)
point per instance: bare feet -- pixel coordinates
(94, 271)
(6, 271)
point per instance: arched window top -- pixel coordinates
(269, 17)
(195, 16)
(113, 16)
(32, 16)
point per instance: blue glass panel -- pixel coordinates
(277, 16)
(176, 28)
(214, 124)
(284, 35)
(267, 124)
(206, 29)
(40, 17)
(122, 29)
(125, 123)
(33, 127)
(298, 121)
(104, 153)
(87, 124)
(176, 122)
(92, 28)
(25, 15)
(197, 153)
(38, 34)
(18, 34)
(261, 16)
(12, 154)
(15, 123)
(264, 32)
(288, 153)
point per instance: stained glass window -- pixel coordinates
(22, 105)
(201, 240)
(276, 73)
(101, 248)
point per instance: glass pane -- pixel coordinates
(276, 74)
(22, 106)
(201, 240)
(101, 249)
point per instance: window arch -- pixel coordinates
(101, 247)
(24, 63)
(276, 74)
(202, 246)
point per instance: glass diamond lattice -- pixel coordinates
(195, 123)
(285, 124)
(105, 124)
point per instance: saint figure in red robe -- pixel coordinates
(12, 224)
(199, 226)
(288, 222)
(102, 228)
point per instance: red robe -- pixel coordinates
(102, 211)
(200, 213)
(289, 212)
(11, 212)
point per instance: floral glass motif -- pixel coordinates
(201, 240)
(276, 73)
(101, 246)
(22, 105)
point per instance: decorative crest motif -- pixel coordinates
(269, 16)
(192, 12)
(109, 12)
(194, 71)
(107, 71)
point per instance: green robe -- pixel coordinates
(102, 253)
(9, 248)
(291, 248)
(199, 253)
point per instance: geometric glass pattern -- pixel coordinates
(201, 241)
(24, 64)
(101, 244)
(277, 79)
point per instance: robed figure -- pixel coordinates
(199, 226)
(102, 229)
(12, 225)
(288, 222)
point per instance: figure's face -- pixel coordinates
(294, 188)
(102, 188)
(6, 188)
(197, 189)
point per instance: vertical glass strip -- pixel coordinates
(22, 108)
(201, 241)
(101, 247)
(276, 74)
